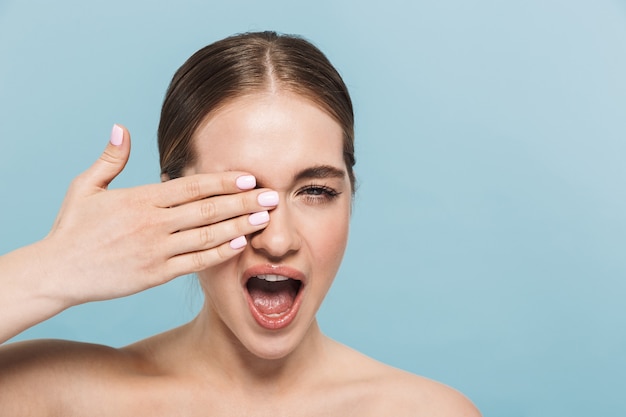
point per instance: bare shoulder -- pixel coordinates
(430, 397)
(41, 357)
(392, 391)
(39, 375)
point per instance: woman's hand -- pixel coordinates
(112, 243)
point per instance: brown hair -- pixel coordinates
(244, 64)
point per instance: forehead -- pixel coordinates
(273, 134)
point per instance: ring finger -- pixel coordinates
(212, 236)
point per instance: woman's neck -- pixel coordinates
(213, 348)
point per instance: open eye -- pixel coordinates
(317, 194)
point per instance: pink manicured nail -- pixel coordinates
(261, 217)
(268, 198)
(117, 135)
(246, 182)
(238, 242)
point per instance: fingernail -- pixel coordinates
(238, 242)
(246, 182)
(261, 217)
(117, 136)
(268, 198)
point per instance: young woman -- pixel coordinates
(256, 144)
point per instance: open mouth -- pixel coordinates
(273, 299)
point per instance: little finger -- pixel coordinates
(188, 263)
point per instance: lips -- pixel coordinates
(274, 294)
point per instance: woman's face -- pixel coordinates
(267, 296)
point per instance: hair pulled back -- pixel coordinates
(240, 65)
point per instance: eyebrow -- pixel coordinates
(314, 172)
(320, 171)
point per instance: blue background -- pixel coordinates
(488, 237)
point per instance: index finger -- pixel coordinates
(198, 186)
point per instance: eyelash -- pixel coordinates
(319, 193)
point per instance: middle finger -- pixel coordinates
(216, 209)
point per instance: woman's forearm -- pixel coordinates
(26, 296)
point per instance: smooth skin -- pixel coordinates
(223, 363)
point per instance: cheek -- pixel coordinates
(327, 236)
(214, 280)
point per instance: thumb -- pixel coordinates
(111, 162)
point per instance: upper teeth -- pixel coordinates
(272, 277)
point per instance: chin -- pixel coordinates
(275, 346)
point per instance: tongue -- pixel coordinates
(272, 297)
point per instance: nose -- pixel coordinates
(280, 237)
